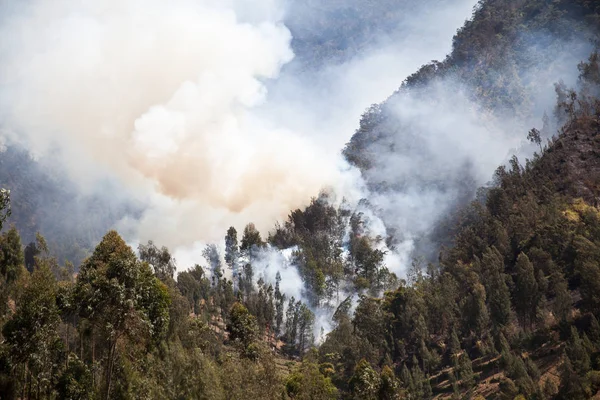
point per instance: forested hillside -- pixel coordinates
(435, 137)
(507, 308)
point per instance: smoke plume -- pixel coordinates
(183, 103)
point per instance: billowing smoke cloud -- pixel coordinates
(159, 95)
(170, 99)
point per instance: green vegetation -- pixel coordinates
(508, 311)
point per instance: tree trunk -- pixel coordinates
(28, 385)
(24, 381)
(93, 360)
(111, 356)
(68, 349)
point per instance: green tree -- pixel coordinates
(572, 386)
(31, 334)
(242, 326)
(407, 379)
(121, 298)
(279, 304)
(11, 255)
(593, 331)
(586, 265)
(463, 368)
(577, 353)
(308, 383)
(251, 241)
(160, 260)
(388, 389)
(75, 382)
(194, 286)
(365, 382)
(563, 303)
(306, 320)
(419, 380)
(232, 252)
(498, 294)
(527, 296)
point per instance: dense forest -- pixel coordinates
(506, 308)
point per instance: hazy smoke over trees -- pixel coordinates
(170, 100)
(203, 111)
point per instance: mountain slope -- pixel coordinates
(440, 136)
(511, 309)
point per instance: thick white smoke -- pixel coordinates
(170, 98)
(159, 94)
(185, 103)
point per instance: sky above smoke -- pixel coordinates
(185, 104)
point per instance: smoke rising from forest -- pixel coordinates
(172, 101)
(204, 112)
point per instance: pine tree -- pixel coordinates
(418, 379)
(594, 331)
(306, 320)
(232, 252)
(571, 385)
(251, 241)
(526, 291)
(464, 370)
(291, 324)
(498, 294)
(454, 344)
(279, 305)
(5, 210)
(562, 304)
(577, 353)
(406, 378)
(242, 326)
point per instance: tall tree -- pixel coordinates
(121, 297)
(160, 260)
(498, 294)
(31, 334)
(242, 326)
(213, 258)
(365, 382)
(5, 209)
(232, 252)
(562, 303)
(251, 241)
(308, 383)
(11, 255)
(279, 304)
(577, 353)
(527, 296)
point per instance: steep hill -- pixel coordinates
(440, 136)
(511, 309)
